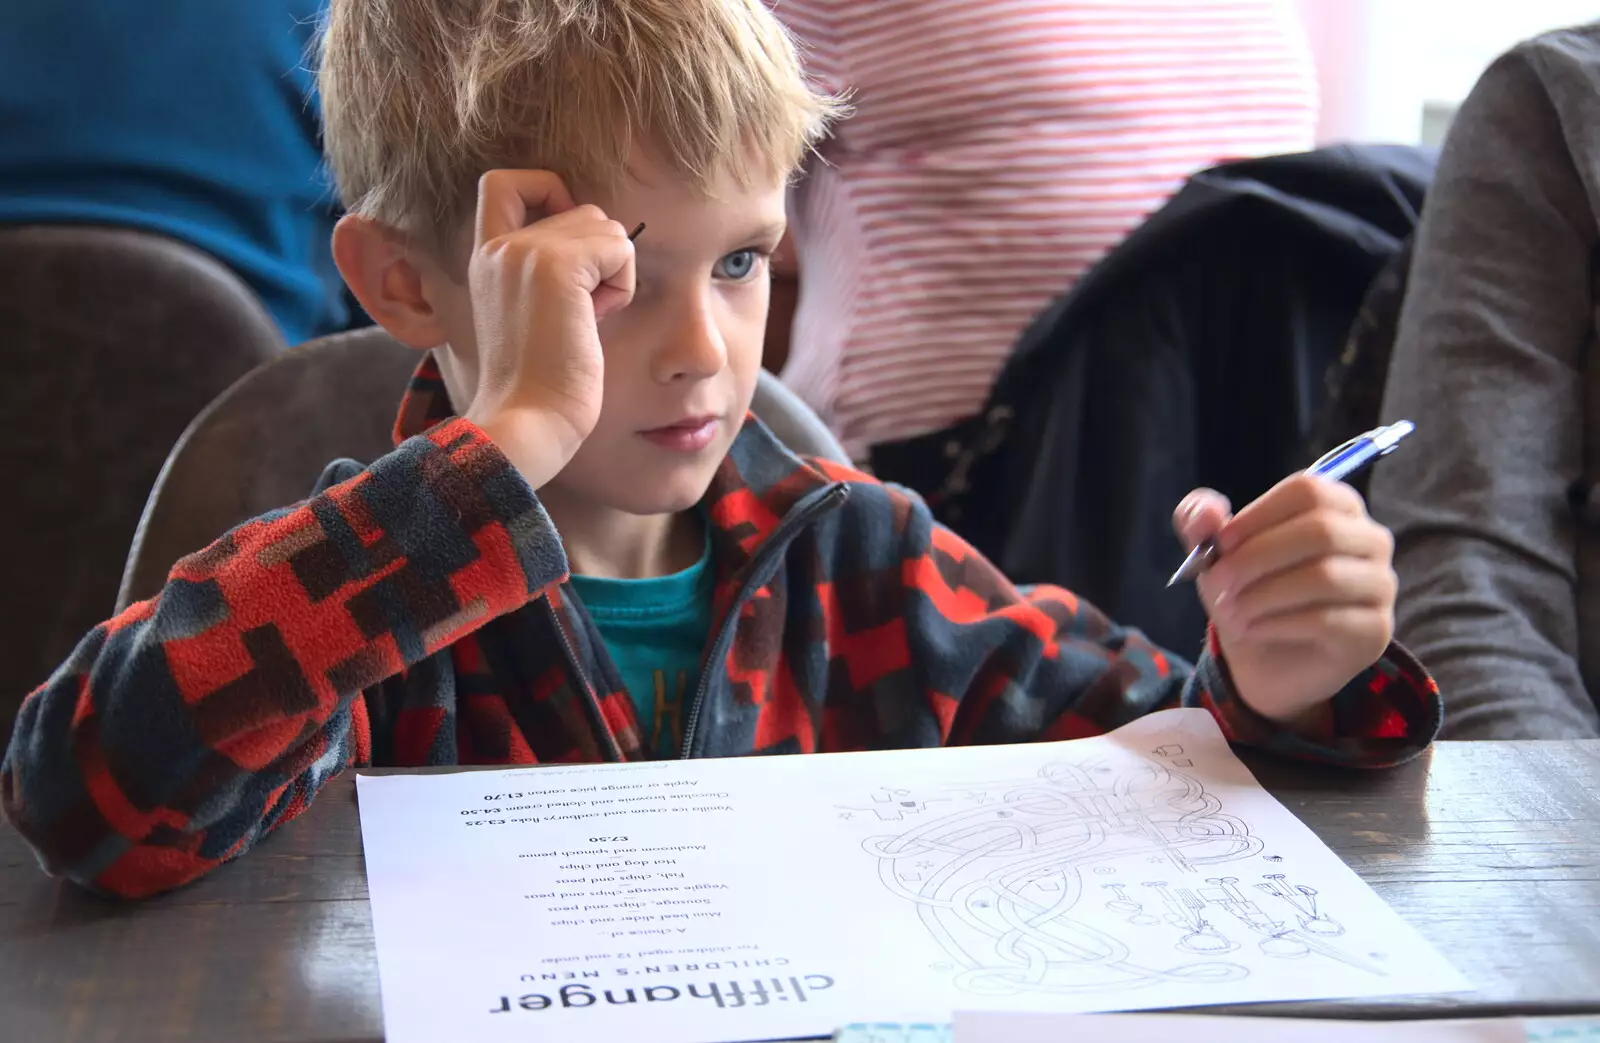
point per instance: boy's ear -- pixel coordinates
(390, 279)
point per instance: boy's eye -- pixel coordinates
(737, 266)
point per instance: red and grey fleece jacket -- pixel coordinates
(416, 612)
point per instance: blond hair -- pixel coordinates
(420, 97)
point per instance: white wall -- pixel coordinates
(1380, 62)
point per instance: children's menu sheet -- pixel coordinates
(777, 897)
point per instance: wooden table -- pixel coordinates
(1491, 849)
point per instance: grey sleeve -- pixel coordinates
(1487, 361)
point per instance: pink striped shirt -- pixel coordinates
(999, 148)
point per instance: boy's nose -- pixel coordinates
(692, 348)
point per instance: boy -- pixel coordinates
(419, 611)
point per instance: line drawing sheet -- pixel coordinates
(1097, 876)
(1201, 1028)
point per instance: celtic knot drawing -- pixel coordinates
(998, 882)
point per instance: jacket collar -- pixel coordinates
(755, 487)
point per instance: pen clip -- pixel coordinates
(1385, 439)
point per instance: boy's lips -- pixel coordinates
(689, 435)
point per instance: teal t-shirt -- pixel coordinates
(656, 631)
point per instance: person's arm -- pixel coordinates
(813, 27)
(999, 664)
(191, 725)
(1488, 363)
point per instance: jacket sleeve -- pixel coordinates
(1489, 361)
(189, 726)
(1004, 664)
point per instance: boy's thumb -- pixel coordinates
(1200, 515)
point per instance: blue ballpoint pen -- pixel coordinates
(1337, 465)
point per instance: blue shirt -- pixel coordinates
(190, 118)
(656, 631)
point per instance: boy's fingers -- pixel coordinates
(1302, 540)
(1313, 628)
(511, 199)
(1201, 515)
(1293, 496)
(617, 273)
(1329, 583)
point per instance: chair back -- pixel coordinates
(263, 443)
(114, 340)
(795, 423)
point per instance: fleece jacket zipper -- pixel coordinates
(807, 511)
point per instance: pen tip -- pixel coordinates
(1194, 564)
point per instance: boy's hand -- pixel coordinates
(1302, 597)
(538, 291)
